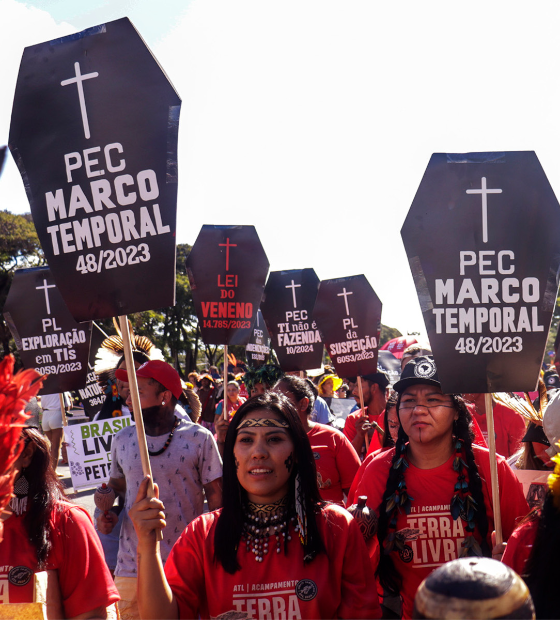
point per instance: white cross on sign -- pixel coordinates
(45, 287)
(484, 192)
(345, 294)
(78, 81)
(293, 287)
(227, 245)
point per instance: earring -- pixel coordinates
(163, 403)
(18, 503)
(300, 510)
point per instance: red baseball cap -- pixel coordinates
(158, 370)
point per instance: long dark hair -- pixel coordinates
(44, 497)
(541, 573)
(388, 575)
(300, 388)
(391, 403)
(230, 523)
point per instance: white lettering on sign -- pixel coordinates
(476, 295)
(483, 191)
(78, 79)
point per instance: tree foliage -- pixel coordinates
(19, 248)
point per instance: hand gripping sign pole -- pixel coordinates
(486, 297)
(108, 256)
(361, 393)
(137, 408)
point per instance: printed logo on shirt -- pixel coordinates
(20, 575)
(433, 536)
(306, 589)
(267, 601)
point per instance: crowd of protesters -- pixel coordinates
(257, 476)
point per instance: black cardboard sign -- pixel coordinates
(46, 335)
(483, 242)
(257, 351)
(94, 134)
(227, 270)
(289, 298)
(91, 394)
(348, 313)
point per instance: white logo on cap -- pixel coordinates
(426, 369)
(140, 367)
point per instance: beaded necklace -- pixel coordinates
(262, 521)
(462, 505)
(166, 445)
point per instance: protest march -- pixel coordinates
(219, 430)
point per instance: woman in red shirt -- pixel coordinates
(274, 549)
(335, 457)
(432, 491)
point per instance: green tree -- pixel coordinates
(388, 333)
(19, 248)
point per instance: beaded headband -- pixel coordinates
(263, 422)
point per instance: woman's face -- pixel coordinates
(257, 389)
(232, 393)
(393, 423)
(426, 414)
(327, 387)
(264, 458)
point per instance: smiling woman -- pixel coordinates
(274, 549)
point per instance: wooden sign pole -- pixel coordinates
(493, 469)
(63, 410)
(224, 412)
(361, 393)
(137, 409)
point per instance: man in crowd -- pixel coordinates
(185, 465)
(374, 388)
(52, 421)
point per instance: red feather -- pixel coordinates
(15, 393)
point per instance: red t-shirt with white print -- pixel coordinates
(335, 584)
(429, 532)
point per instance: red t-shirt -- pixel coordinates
(335, 584)
(520, 545)
(374, 439)
(509, 428)
(429, 531)
(336, 461)
(84, 579)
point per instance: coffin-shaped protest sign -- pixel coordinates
(91, 394)
(94, 134)
(227, 270)
(46, 335)
(289, 298)
(348, 313)
(483, 242)
(257, 350)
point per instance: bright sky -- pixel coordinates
(315, 120)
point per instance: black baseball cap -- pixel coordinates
(419, 370)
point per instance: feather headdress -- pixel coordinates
(524, 406)
(112, 349)
(15, 392)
